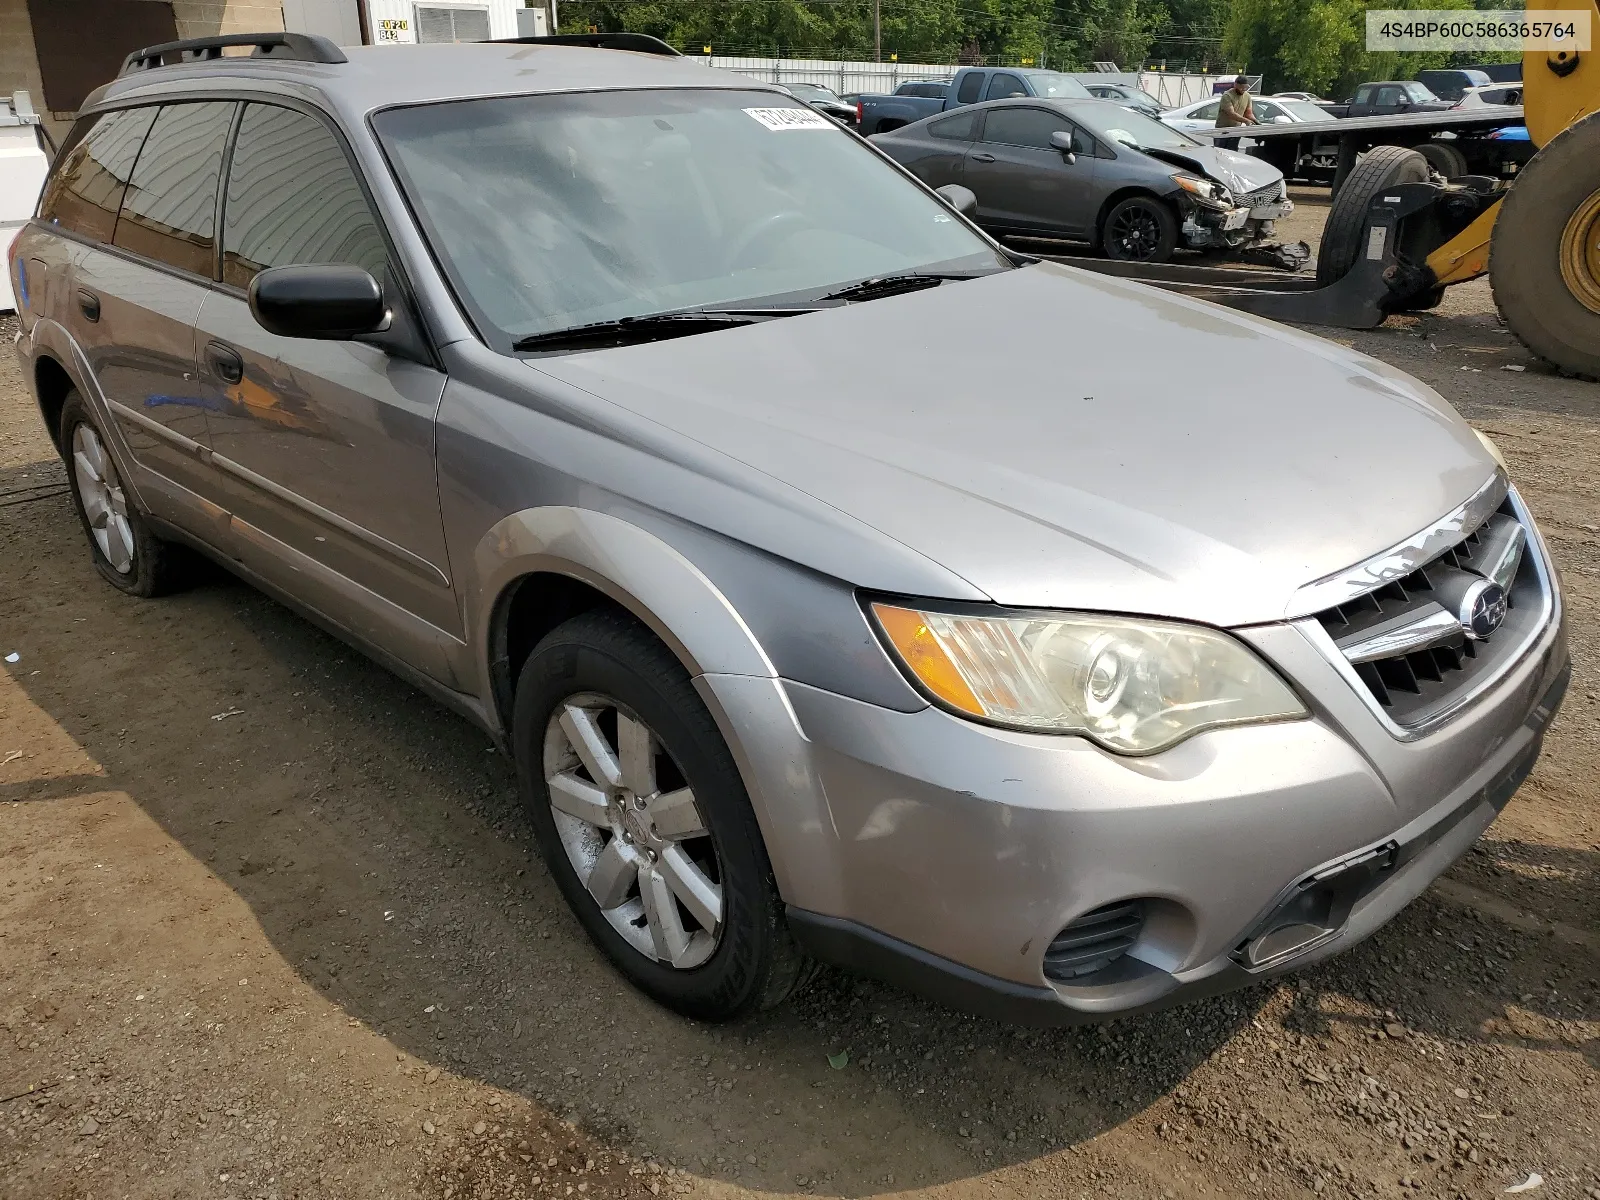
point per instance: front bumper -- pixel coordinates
(945, 856)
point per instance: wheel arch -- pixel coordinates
(1128, 193)
(540, 566)
(51, 383)
(537, 567)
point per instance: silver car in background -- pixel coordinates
(842, 585)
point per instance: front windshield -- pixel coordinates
(1419, 91)
(1149, 97)
(1055, 86)
(554, 211)
(811, 91)
(1304, 110)
(1117, 124)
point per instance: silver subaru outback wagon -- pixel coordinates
(845, 587)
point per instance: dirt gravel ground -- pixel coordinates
(271, 926)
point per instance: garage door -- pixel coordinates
(452, 24)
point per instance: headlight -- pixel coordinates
(1133, 686)
(1200, 187)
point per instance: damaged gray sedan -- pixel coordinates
(1091, 171)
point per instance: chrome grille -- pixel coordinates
(1270, 194)
(1094, 941)
(1409, 640)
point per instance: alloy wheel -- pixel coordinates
(105, 506)
(632, 830)
(1136, 232)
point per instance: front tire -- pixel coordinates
(1544, 258)
(644, 821)
(126, 553)
(1140, 229)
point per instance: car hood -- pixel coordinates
(1239, 173)
(1062, 439)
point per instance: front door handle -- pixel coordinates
(89, 304)
(224, 362)
(983, 157)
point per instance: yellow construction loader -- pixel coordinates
(1539, 238)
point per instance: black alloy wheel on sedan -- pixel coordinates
(1140, 229)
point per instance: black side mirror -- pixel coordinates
(1062, 141)
(962, 199)
(328, 301)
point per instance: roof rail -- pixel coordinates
(291, 47)
(639, 43)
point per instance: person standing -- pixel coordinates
(1235, 110)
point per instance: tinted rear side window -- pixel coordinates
(86, 189)
(958, 128)
(969, 87)
(293, 198)
(169, 212)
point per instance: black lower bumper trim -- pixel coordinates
(865, 951)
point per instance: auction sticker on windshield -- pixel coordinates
(780, 119)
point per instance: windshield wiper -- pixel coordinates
(651, 327)
(890, 285)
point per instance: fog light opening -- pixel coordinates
(1089, 944)
(1315, 910)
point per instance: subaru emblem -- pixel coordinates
(1482, 610)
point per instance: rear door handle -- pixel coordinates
(983, 157)
(89, 303)
(224, 362)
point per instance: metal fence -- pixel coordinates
(845, 76)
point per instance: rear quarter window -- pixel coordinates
(970, 85)
(86, 189)
(958, 128)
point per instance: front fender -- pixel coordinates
(638, 570)
(731, 671)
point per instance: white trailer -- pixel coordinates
(23, 166)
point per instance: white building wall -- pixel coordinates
(841, 76)
(337, 20)
(395, 21)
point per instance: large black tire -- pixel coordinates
(1533, 295)
(755, 963)
(153, 567)
(1379, 168)
(1444, 158)
(1140, 229)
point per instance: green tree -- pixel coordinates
(1320, 45)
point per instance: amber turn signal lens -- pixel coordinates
(925, 657)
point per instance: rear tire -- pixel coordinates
(1139, 229)
(1544, 259)
(127, 554)
(606, 664)
(1444, 158)
(1380, 168)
